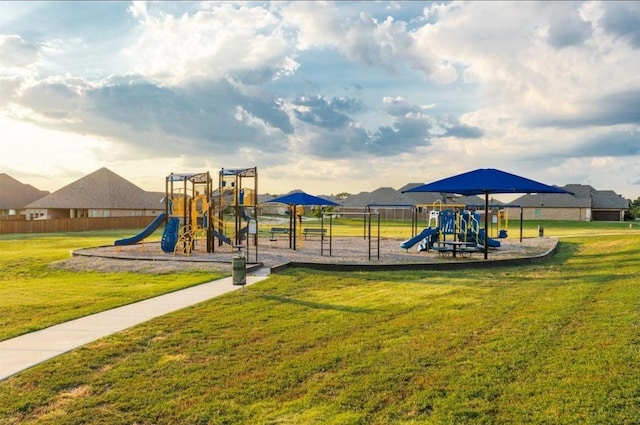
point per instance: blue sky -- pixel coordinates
(324, 97)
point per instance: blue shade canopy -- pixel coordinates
(486, 181)
(302, 198)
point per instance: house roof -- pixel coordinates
(380, 196)
(390, 196)
(15, 195)
(608, 199)
(584, 196)
(420, 197)
(102, 189)
(265, 198)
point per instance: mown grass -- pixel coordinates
(34, 295)
(552, 343)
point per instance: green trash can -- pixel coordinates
(239, 271)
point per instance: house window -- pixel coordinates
(538, 212)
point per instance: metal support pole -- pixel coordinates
(521, 215)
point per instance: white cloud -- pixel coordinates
(317, 23)
(363, 39)
(211, 43)
(17, 57)
(138, 9)
(538, 88)
(506, 49)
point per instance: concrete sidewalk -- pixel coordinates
(28, 350)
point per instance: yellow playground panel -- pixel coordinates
(188, 208)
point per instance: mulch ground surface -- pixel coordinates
(150, 258)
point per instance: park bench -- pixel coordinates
(443, 251)
(275, 231)
(311, 231)
(469, 250)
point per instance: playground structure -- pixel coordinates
(238, 193)
(295, 231)
(188, 209)
(458, 222)
(371, 232)
(498, 221)
(194, 212)
(198, 216)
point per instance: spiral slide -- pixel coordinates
(170, 235)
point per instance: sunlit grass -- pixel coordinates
(550, 343)
(34, 295)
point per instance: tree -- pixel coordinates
(634, 210)
(317, 211)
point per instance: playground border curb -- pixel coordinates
(187, 259)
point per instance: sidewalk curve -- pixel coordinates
(25, 351)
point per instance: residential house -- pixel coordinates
(14, 196)
(393, 204)
(102, 193)
(586, 204)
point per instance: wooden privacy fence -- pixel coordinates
(63, 225)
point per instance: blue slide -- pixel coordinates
(491, 242)
(220, 236)
(144, 234)
(427, 232)
(170, 235)
(244, 215)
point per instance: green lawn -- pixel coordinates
(556, 343)
(34, 295)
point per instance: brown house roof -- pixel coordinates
(608, 199)
(380, 196)
(15, 195)
(390, 196)
(584, 196)
(102, 189)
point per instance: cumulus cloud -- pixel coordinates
(623, 20)
(337, 82)
(567, 28)
(385, 43)
(454, 128)
(399, 107)
(607, 110)
(332, 130)
(613, 143)
(133, 109)
(9, 87)
(405, 135)
(15, 53)
(226, 38)
(324, 113)
(52, 98)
